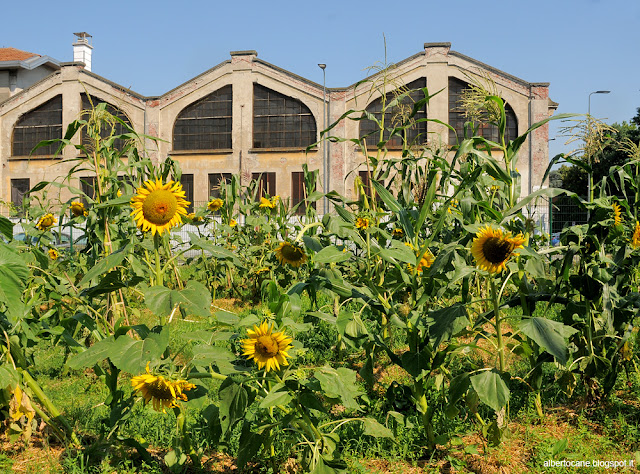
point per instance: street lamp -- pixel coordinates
(596, 92)
(325, 145)
(589, 119)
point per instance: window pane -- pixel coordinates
(19, 187)
(205, 124)
(186, 180)
(42, 123)
(278, 119)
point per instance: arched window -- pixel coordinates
(205, 124)
(394, 116)
(457, 117)
(42, 123)
(280, 121)
(88, 102)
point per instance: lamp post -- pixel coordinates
(589, 157)
(325, 144)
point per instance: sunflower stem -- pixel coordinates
(183, 433)
(498, 325)
(156, 252)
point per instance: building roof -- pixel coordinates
(13, 54)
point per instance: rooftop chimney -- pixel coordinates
(82, 49)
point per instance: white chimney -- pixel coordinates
(82, 49)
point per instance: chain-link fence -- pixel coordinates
(565, 212)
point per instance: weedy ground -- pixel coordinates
(568, 430)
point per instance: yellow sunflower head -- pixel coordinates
(267, 203)
(397, 232)
(77, 208)
(426, 261)
(363, 222)
(158, 207)
(291, 254)
(46, 221)
(617, 214)
(267, 348)
(635, 239)
(492, 248)
(53, 254)
(161, 392)
(233, 223)
(215, 204)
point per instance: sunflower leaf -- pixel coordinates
(233, 403)
(131, 355)
(94, 354)
(548, 334)
(339, 383)
(491, 389)
(331, 255)
(375, 429)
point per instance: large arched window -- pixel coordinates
(89, 102)
(395, 116)
(42, 123)
(457, 117)
(205, 124)
(280, 121)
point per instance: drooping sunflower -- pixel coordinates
(158, 207)
(53, 254)
(46, 221)
(291, 254)
(77, 209)
(267, 348)
(163, 393)
(492, 248)
(362, 223)
(617, 214)
(635, 240)
(215, 204)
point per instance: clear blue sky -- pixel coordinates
(579, 46)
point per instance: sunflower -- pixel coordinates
(162, 392)
(215, 204)
(397, 232)
(53, 254)
(617, 214)
(77, 209)
(291, 254)
(492, 248)
(267, 348)
(233, 223)
(362, 223)
(195, 219)
(635, 240)
(267, 203)
(426, 260)
(158, 207)
(46, 221)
